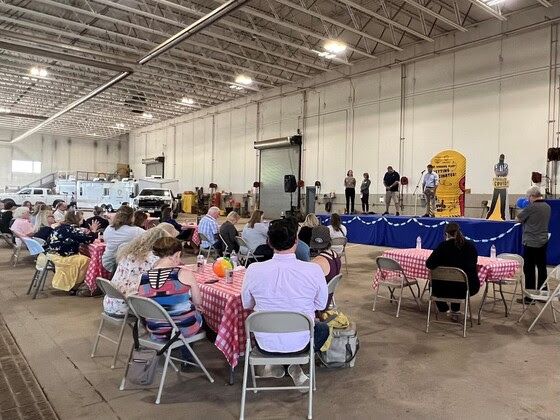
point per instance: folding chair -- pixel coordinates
(275, 322)
(517, 279)
(245, 253)
(145, 308)
(394, 277)
(449, 275)
(42, 265)
(341, 242)
(224, 243)
(8, 238)
(109, 290)
(543, 295)
(211, 249)
(18, 243)
(333, 284)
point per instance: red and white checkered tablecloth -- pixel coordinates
(223, 311)
(413, 262)
(195, 238)
(95, 268)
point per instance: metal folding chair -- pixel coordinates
(394, 277)
(109, 290)
(341, 242)
(245, 253)
(145, 308)
(210, 250)
(449, 275)
(518, 280)
(42, 265)
(8, 238)
(544, 296)
(276, 322)
(227, 251)
(331, 286)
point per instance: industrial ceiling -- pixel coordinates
(54, 52)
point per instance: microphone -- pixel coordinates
(423, 171)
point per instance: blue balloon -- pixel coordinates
(522, 202)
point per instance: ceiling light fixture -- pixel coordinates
(326, 54)
(235, 87)
(334, 46)
(494, 2)
(147, 115)
(187, 101)
(4, 110)
(38, 72)
(120, 126)
(243, 79)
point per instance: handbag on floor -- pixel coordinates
(144, 362)
(343, 349)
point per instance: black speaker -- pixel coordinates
(554, 154)
(290, 184)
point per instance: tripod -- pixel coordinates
(416, 193)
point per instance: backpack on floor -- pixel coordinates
(343, 349)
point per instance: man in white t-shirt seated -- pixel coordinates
(286, 284)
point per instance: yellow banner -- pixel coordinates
(451, 167)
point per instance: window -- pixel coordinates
(25, 191)
(38, 192)
(26, 166)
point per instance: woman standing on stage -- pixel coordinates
(350, 191)
(364, 193)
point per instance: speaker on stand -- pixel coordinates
(290, 186)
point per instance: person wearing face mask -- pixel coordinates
(350, 191)
(455, 251)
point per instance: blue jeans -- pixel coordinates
(320, 335)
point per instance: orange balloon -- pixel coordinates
(221, 265)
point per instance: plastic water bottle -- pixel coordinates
(418, 242)
(493, 251)
(200, 262)
(234, 259)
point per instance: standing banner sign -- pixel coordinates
(451, 167)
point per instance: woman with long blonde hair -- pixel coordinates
(311, 221)
(134, 258)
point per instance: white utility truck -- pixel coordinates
(107, 194)
(154, 193)
(45, 195)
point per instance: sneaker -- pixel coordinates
(271, 371)
(397, 214)
(299, 378)
(386, 213)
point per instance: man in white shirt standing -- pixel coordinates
(429, 185)
(286, 284)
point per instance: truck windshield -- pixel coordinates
(160, 193)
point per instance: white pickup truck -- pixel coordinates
(45, 195)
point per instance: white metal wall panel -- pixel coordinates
(332, 150)
(222, 152)
(366, 143)
(389, 115)
(526, 51)
(477, 63)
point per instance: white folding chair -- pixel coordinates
(111, 291)
(43, 265)
(545, 295)
(145, 308)
(341, 242)
(227, 251)
(517, 279)
(331, 286)
(210, 250)
(276, 322)
(245, 253)
(449, 275)
(393, 277)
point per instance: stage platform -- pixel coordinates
(402, 231)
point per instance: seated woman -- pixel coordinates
(184, 233)
(64, 251)
(139, 219)
(455, 251)
(43, 228)
(38, 207)
(22, 225)
(337, 230)
(310, 222)
(255, 233)
(173, 288)
(134, 259)
(120, 232)
(98, 217)
(228, 232)
(328, 259)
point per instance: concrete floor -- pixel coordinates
(499, 371)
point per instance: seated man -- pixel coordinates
(208, 226)
(286, 284)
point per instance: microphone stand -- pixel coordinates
(416, 193)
